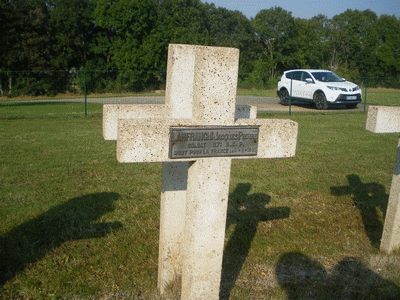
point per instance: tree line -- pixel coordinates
(126, 42)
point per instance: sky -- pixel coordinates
(306, 9)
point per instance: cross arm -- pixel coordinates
(148, 140)
(113, 112)
(383, 119)
(277, 137)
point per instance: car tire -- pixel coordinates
(320, 101)
(284, 96)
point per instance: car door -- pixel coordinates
(307, 87)
(295, 82)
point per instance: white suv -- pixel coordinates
(320, 87)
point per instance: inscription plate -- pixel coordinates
(213, 141)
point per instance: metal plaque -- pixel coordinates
(213, 141)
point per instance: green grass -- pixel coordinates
(76, 224)
(62, 193)
(388, 97)
(69, 96)
(12, 109)
(257, 93)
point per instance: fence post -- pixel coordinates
(85, 91)
(9, 85)
(365, 94)
(290, 97)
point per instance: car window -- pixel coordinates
(327, 77)
(305, 75)
(296, 75)
(289, 75)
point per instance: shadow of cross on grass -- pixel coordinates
(73, 220)
(368, 198)
(305, 278)
(246, 211)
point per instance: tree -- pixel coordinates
(228, 28)
(184, 21)
(127, 28)
(28, 43)
(312, 43)
(354, 39)
(132, 37)
(388, 48)
(72, 29)
(276, 31)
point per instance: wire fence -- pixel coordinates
(15, 84)
(72, 93)
(83, 92)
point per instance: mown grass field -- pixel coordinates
(76, 224)
(38, 109)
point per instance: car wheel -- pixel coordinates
(320, 101)
(351, 105)
(284, 96)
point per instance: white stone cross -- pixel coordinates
(385, 119)
(178, 104)
(200, 92)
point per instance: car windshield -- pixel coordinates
(327, 77)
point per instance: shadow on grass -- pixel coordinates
(304, 278)
(367, 197)
(73, 220)
(246, 211)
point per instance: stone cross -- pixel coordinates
(178, 104)
(384, 119)
(196, 135)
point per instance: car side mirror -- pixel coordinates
(309, 80)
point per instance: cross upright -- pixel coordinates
(196, 136)
(385, 119)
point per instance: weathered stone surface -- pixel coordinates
(278, 137)
(385, 119)
(214, 90)
(148, 140)
(206, 208)
(391, 229)
(172, 222)
(114, 112)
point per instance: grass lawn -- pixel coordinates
(32, 109)
(257, 93)
(379, 96)
(76, 224)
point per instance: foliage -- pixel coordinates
(276, 32)
(131, 37)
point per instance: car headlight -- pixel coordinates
(335, 88)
